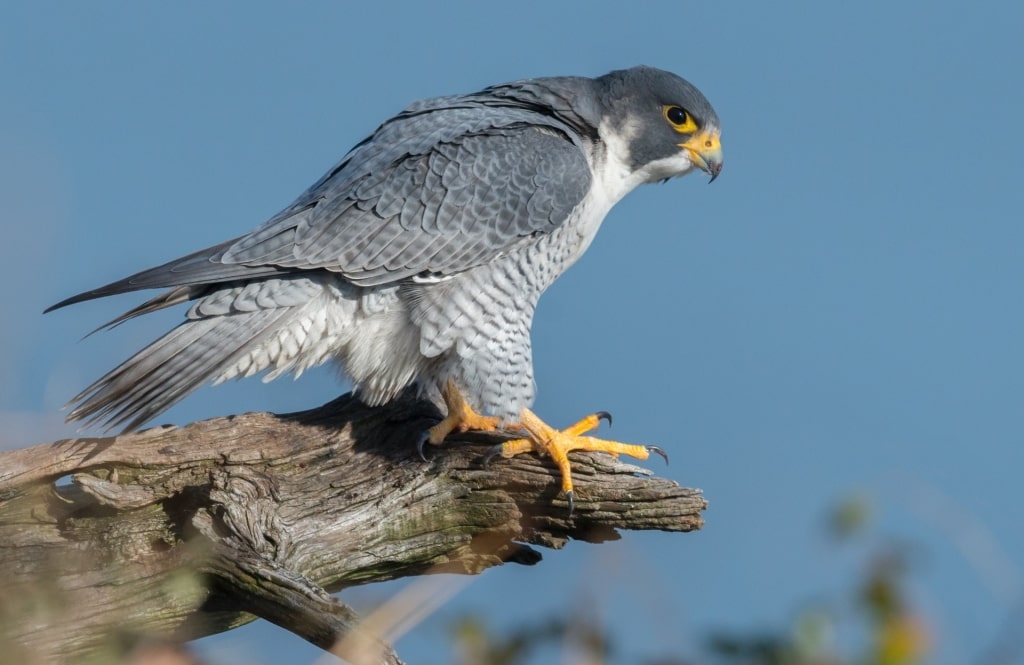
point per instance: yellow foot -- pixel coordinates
(545, 439)
(461, 418)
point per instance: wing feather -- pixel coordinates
(441, 188)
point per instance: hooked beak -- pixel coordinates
(705, 151)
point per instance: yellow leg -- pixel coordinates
(547, 440)
(461, 417)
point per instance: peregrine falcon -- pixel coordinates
(419, 258)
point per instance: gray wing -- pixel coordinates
(441, 188)
(442, 212)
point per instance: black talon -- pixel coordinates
(572, 504)
(492, 452)
(656, 449)
(604, 415)
(422, 442)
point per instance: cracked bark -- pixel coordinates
(175, 533)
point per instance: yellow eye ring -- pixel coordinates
(679, 119)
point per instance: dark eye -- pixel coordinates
(676, 115)
(680, 120)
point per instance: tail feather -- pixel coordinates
(163, 373)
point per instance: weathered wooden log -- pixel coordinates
(180, 532)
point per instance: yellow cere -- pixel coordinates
(704, 142)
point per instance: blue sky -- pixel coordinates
(838, 313)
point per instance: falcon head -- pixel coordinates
(660, 125)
